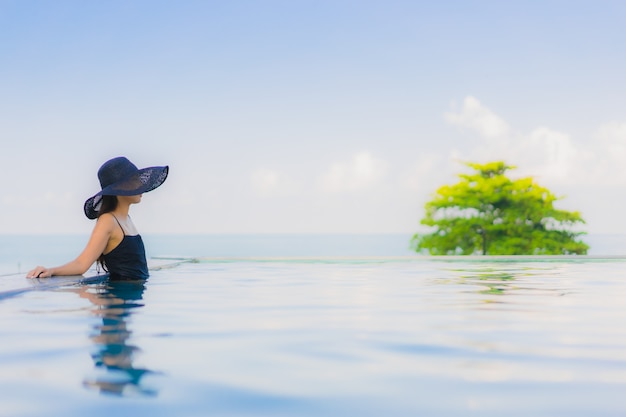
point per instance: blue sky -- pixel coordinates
(306, 116)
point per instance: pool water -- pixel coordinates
(325, 337)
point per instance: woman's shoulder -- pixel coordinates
(106, 217)
(107, 225)
(106, 220)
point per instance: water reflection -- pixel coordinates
(501, 281)
(113, 356)
(497, 282)
(490, 281)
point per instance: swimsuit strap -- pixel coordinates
(119, 224)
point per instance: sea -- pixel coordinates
(315, 325)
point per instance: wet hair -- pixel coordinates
(109, 204)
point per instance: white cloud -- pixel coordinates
(264, 180)
(547, 154)
(269, 182)
(475, 116)
(419, 176)
(609, 148)
(361, 172)
(612, 136)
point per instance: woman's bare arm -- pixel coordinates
(95, 247)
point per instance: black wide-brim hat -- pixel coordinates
(119, 176)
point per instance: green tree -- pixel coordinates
(488, 213)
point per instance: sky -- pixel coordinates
(304, 116)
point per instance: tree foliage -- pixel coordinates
(488, 213)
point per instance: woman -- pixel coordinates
(114, 242)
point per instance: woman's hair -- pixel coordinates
(109, 203)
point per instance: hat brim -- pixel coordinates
(142, 181)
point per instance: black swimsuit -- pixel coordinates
(127, 261)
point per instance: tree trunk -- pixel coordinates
(484, 236)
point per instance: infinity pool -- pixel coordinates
(325, 337)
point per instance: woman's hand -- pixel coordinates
(39, 272)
